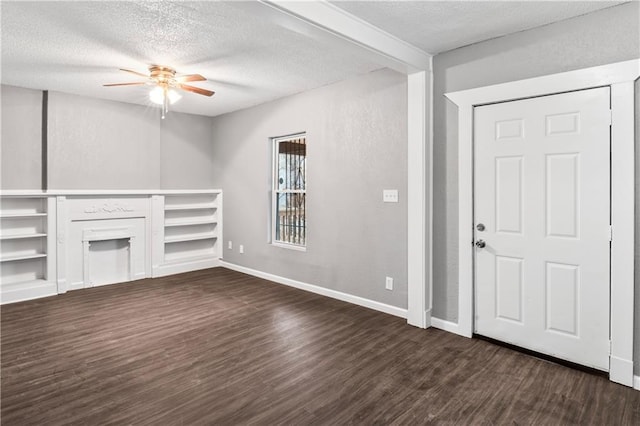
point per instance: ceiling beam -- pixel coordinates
(387, 49)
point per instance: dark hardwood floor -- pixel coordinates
(220, 347)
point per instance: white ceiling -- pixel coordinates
(249, 56)
(438, 26)
(75, 47)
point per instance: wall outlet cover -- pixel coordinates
(390, 195)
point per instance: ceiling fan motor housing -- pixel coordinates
(162, 74)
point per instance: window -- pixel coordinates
(289, 222)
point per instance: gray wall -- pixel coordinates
(357, 138)
(611, 35)
(186, 159)
(100, 144)
(21, 146)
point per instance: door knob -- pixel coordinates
(480, 244)
(480, 227)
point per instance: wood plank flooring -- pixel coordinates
(220, 347)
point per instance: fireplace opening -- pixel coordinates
(109, 261)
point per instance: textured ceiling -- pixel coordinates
(438, 26)
(75, 47)
(248, 55)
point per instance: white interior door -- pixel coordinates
(542, 194)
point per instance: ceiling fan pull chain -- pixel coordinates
(165, 103)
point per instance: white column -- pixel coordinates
(622, 245)
(419, 196)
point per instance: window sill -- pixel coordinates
(289, 246)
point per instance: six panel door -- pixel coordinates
(542, 195)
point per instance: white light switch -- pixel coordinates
(388, 283)
(390, 195)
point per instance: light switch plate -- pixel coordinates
(390, 195)
(388, 283)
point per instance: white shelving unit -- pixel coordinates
(190, 225)
(45, 250)
(27, 247)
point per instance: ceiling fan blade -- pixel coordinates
(190, 77)
(135, 72)
(137, 83)
(197, 90)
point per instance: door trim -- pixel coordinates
(620, 77)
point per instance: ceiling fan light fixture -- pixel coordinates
(158, 93)
(166, 85)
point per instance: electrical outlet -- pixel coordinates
(390, 195)
(389, 283)
(230, 243)
(241, 249)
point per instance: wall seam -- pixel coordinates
(45, 140)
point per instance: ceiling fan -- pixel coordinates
(166, 82)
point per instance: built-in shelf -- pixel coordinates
(20, 215)
(12, 258)
(191, 231)
(189, 222)
(182, 238)
(21, 236)
(30, 283)
(190, 207)
(188, 252)
(181, 258)
(25, 246)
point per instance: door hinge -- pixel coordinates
(610, 117)
(610, 233)
(609, 347)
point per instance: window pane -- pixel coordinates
(291, 164)
(290, 218)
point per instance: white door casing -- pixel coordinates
(620, 78)
(542, 193)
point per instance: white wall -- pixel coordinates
(357, 139)
(21, 146)
(607, 36)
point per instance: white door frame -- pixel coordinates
(620, 77)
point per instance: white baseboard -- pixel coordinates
(445, 325)
(28, 291)
(621, 371)
(636, 382)
(345, 297)
(79, 285)
(186, 266)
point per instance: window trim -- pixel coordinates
(274, 191)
